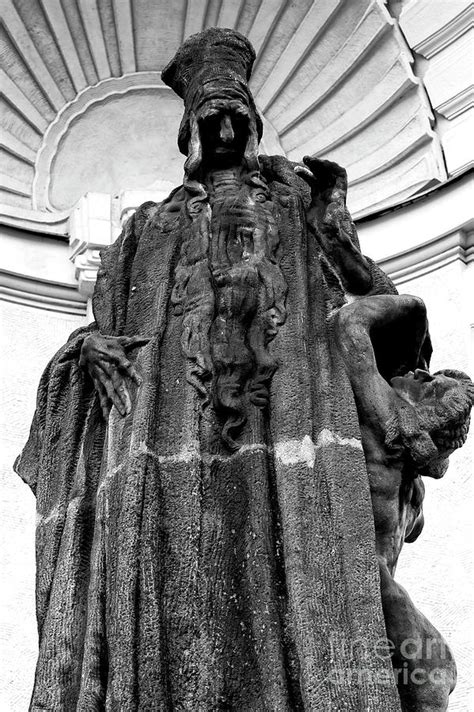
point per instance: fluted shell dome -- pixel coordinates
(84, 108)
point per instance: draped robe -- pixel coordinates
(173, 573)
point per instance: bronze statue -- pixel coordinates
(409, 427)
(205, 532)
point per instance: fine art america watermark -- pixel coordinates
(416, 661)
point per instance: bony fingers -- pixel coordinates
(129, 370)
(103, 399)
(122, 391)
(115, 398)
(123, 363)
(303, 170)
(104, 371)
(115, 354)
(134, 375)
(114, 382)
(104, 404)
(120, 387)
(128, 402)
(305, 173)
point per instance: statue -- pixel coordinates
(205, 533)
(409, 428)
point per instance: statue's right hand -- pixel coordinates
(105, 359)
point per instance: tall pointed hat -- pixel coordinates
(212, 65)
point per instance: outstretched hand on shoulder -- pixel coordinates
(105, 359)
(330, 220)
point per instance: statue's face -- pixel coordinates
(224, 130)
(419, 386)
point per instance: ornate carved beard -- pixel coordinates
(231, 291)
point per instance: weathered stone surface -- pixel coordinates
(410, 424)
(205, 536)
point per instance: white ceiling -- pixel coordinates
(83, 108)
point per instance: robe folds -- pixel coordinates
(173, 573)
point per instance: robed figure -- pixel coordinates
(205, 535)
